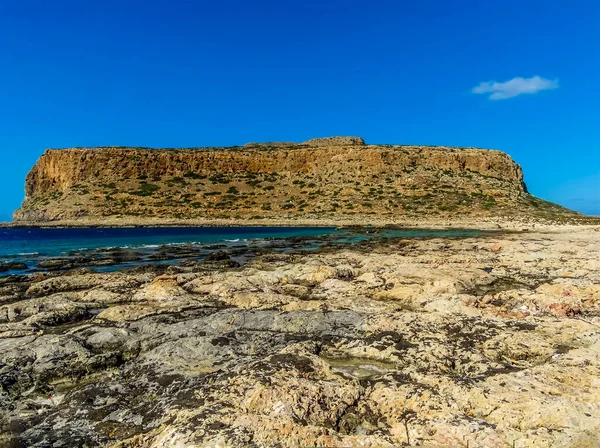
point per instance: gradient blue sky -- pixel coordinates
(199, 73)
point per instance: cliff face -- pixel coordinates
(319, 178)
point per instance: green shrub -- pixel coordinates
(447, 208)
(192, 175)
(176, 181)
(219, 178)
(146, 189)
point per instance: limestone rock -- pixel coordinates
(335, 141)
(451, 342)
(324, 179)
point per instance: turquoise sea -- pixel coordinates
(34, 245)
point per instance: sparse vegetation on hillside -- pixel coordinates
(407, 184)
(146, 189)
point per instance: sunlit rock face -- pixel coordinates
(321, 179)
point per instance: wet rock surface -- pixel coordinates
(434, 342)
(12, 266)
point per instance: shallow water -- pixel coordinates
(34, 245)
(360, 368)
(28, 242)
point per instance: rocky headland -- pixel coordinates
(490, 340)
(337, 180)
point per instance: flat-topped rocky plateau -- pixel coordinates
(337, 180)
(487, 341)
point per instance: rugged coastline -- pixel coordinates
(486, 338)
(490, 340)
(360, 221)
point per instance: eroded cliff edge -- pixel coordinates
(338, 177)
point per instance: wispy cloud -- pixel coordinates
(515, 87)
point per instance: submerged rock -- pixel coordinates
(12, 266)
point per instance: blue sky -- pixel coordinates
(199, 73)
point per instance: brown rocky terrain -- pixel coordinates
(484, 341)
(330, 179)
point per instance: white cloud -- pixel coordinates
(514, 87)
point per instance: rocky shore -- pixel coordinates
(475, 222)
(481, 341)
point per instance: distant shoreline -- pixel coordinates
(475, 223)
